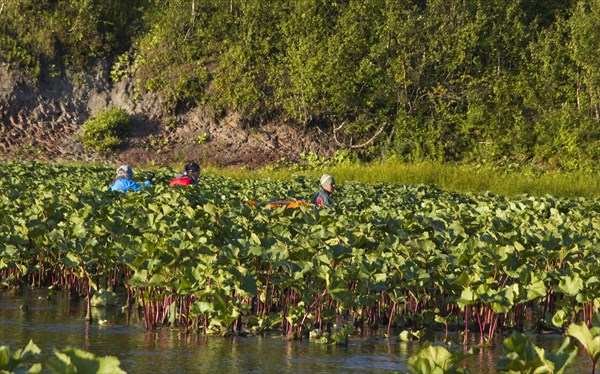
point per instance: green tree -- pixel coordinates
(244, 76)
(303, 63)
(585, 26)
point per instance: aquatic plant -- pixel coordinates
(522, 356)
(67, 360)
(589, 339)
(432, 359)
(204, 260)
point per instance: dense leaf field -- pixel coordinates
(201, 258)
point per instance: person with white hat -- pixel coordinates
(124, 180)
(323, 196)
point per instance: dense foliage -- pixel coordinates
(437, 79)
(201, 258)
(104, 131)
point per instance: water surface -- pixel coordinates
(60, 323)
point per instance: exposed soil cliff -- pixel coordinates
(42, 120)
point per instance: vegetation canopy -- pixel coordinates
(202, 259)
(417, 80)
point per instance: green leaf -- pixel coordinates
(467, 297)
(405, 336)
(35, 369)
(536, 290)
(254, 239)
(591, 341)
(248, 285)
(564, 356)
(522, 356)
(10, 250)
(559, 318)
(341, 252)
(19, 360)
(202, 307)
(30, 351)
(72, 360)
(570, 285)
(435, 359)
(339, 291)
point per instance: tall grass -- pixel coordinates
(463, 178)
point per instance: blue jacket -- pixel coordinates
(124, 184)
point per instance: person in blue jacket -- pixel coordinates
(323, 196)
(124, 180)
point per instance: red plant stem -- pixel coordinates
(310, 307)
(41, 272)
(129, 291)
(187, 311)
(266, 303)
(154, 308)
(146, 309)
(260, 305)
(493, 326)
(466, 341)
(416, 310)
(481, 324)
(171, 299)
(517, 313)
(115, 273)
(318, 311)
(181, 306)
(166, 302)
(390, 319)
(157, 305)
(283, 313)
(88, 316)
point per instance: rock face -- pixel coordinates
(42, 120)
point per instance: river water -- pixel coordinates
(59, 323)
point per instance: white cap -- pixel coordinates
(125, 171)
(327, 179)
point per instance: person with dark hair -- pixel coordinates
(191, 173)
(323, 196)
(124, 180)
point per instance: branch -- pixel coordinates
(193, 25)
(335, 129)
(2, 7)
(351, 146)
(339, 127)
(392, 134)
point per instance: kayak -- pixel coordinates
(276, 204)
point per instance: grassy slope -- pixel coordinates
(445, 176)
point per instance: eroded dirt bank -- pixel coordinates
(42, 120)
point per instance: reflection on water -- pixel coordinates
(60, 323)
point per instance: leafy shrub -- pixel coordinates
(13, 53)
(120, 67)
(103, 132)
